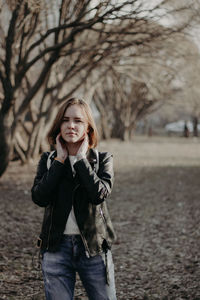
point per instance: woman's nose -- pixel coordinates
(71, 124)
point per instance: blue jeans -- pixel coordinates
(59, 272)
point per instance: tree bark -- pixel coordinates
(195, 126)
(4, 143)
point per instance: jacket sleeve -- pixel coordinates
(98, 186)
(46, 181)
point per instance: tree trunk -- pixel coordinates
(105, 130)
(4, 144)
(126, 134)
(32, 141)
(118, 131)
(43, 128)
(195, 126)
(38, 138)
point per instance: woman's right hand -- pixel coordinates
(61, 148)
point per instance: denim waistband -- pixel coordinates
(72, 237)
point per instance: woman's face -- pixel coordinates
(74, 124)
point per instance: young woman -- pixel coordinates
(72, 183)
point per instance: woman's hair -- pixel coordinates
(55, 128)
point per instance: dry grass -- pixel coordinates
(156, 213)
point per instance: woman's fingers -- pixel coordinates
(84, 146)
(58, 138)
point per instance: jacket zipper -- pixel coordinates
(103, 217)
(87, 251)
(50, 228)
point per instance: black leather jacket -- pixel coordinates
(57, 190)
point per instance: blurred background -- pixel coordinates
(137, 63)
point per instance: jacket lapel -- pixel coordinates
(68, 169)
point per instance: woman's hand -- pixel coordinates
(61, 148)
(82, 151)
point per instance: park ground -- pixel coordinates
(155, 208)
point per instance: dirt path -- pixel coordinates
(156, 213)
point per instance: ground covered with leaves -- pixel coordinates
(155, 208)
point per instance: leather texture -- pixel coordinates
(57, 190)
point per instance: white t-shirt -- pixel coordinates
(71, 225)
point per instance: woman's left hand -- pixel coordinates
(61, 148)
(83, 147)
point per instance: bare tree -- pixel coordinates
(138, 84)
(188, 98)
(154, 74)
(122, 99)
(48, 53)
(32, 44)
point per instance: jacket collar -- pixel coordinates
(91, 157)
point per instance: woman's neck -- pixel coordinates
(73, 148)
